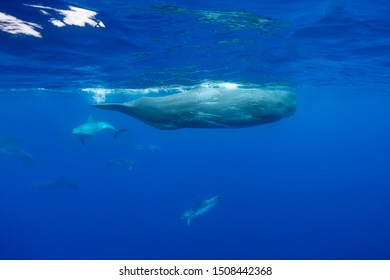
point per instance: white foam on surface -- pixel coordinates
(73, 16)
(13, 25)
(58, 17)
(57, 22)
(98, 94)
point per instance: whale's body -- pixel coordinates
(200, 208)
(211, 108)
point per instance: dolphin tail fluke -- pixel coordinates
(119, 131)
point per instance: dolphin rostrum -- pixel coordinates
(211, 107)
(200, 208)
(91, 127)
(10, 147)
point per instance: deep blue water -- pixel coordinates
(311, 186)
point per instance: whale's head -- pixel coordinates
(279, 103)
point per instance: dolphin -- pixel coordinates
(59, 183)
(200, 208)
(91, 127)
(9, 146)
(128, 163)
(151, 148)
(203, 107)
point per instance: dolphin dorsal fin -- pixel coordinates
(90, 119)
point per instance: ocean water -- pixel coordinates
(314, 185)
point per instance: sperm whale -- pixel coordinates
(211, 108)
